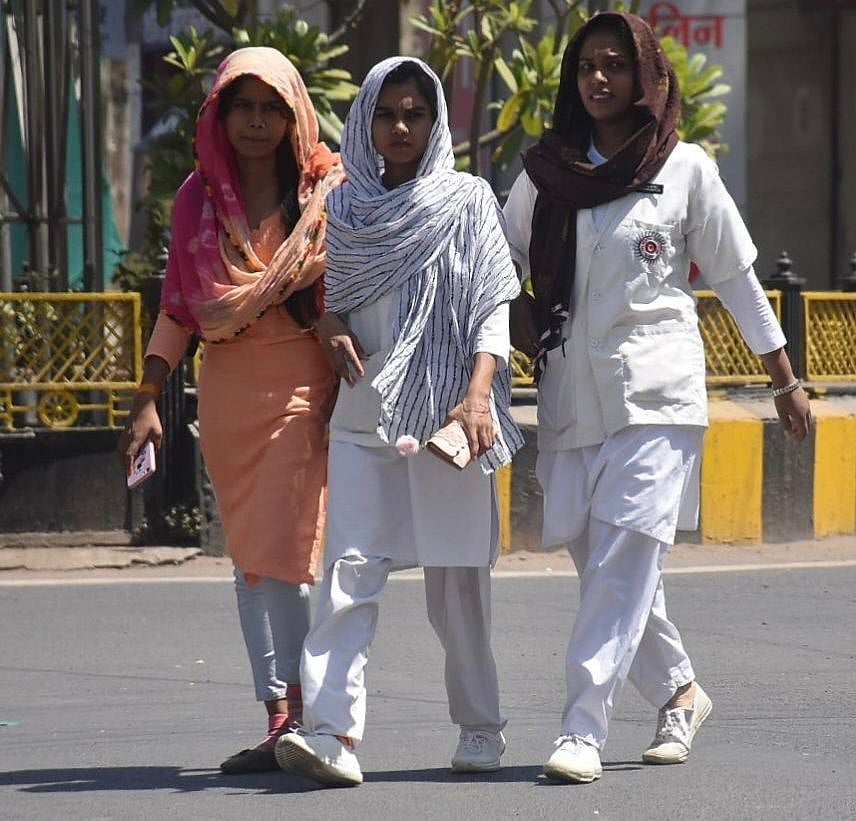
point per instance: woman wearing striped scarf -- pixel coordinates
(419, 270)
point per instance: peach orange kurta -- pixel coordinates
(265, 398)
(264, 401)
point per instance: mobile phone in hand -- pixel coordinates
(143, 467)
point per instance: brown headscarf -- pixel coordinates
(558, 165)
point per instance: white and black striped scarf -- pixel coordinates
(439, 238)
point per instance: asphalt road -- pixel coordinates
(118, 700)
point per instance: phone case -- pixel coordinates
(451, 445)
(143, 467)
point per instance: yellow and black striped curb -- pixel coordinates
(756, 486)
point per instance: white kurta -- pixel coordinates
(417, 510)
(644, 478)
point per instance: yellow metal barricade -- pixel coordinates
(728, 359)
(522, 375)
(68, 359)
(830, 335)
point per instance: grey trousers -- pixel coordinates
(274, 619)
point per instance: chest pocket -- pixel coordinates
(648, 253)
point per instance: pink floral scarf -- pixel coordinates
(206, 290)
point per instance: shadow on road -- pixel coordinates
(177, 779)
(507, 775)
(442, 775)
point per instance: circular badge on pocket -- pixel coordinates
(649, 246)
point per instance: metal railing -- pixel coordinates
(74, 359)
(68, 359)
(829, 321)
(728, 359)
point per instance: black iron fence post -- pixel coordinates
(786, 281)
(174, 483)
(847, 281)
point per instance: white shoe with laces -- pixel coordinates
(478, 751)
(676, 729)
(574, 760)
(323, 758)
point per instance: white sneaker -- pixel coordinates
(323, 758)
(676, 729)
(478, 751)
(575, 760)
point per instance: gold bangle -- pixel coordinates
(149, 387)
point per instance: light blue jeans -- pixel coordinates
(274, 620)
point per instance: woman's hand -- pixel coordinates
(794, 411)
(143, 424)
(473, 413)
(474, 416)
(793, 407)
(343, 349)
(524, 332)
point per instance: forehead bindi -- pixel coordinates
(402, 97)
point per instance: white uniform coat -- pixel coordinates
(633, 353)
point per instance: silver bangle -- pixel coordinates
(786, 388)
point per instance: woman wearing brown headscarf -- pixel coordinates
(606, 218)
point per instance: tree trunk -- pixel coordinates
(482, 77)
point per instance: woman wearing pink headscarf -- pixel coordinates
(245, 264)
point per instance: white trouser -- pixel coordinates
(336, 650)
(621, 629)
(274, 620)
